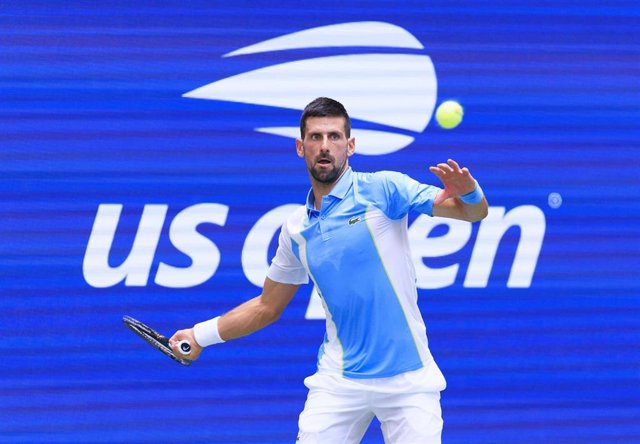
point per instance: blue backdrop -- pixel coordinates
(120, 195)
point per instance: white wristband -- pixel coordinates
(206, 333)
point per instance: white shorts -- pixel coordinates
(339, 410)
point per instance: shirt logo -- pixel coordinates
(393, 92)
(355, 220)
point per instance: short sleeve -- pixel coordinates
(285, 267)
(406, 194)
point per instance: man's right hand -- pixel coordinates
(185, 335)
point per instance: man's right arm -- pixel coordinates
(258, 312)
(246, 318)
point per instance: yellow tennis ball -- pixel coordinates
(449, 114)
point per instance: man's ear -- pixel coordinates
(299, 148)
(351, 146)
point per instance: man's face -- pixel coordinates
(325, 148)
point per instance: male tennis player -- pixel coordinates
(351, 239)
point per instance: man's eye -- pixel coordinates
(315, 137)
(335, 137)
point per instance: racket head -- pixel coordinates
(153, 338)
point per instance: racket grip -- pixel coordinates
(185, 347)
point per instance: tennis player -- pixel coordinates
(351, 240)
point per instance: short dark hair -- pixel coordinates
(325, 107)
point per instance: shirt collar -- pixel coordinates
(340, 190)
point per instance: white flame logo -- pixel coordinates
(394, 90)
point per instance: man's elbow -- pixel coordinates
(478, 217)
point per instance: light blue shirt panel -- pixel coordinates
(351, 278)
(370, 322)
(396, 194)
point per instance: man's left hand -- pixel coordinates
(457, 181)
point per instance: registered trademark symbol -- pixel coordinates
(554, 200)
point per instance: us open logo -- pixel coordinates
(395, 93)
(391, 97)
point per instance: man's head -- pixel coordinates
(325, 142)
(325, 107)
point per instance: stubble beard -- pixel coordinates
(327, 177)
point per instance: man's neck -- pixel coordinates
(321, 189)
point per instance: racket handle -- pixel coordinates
(185, 347)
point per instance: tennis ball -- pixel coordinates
(449, 114)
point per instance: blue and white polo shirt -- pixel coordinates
(356, 251)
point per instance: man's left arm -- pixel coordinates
(462, 198)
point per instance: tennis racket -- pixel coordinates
(157, 340)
